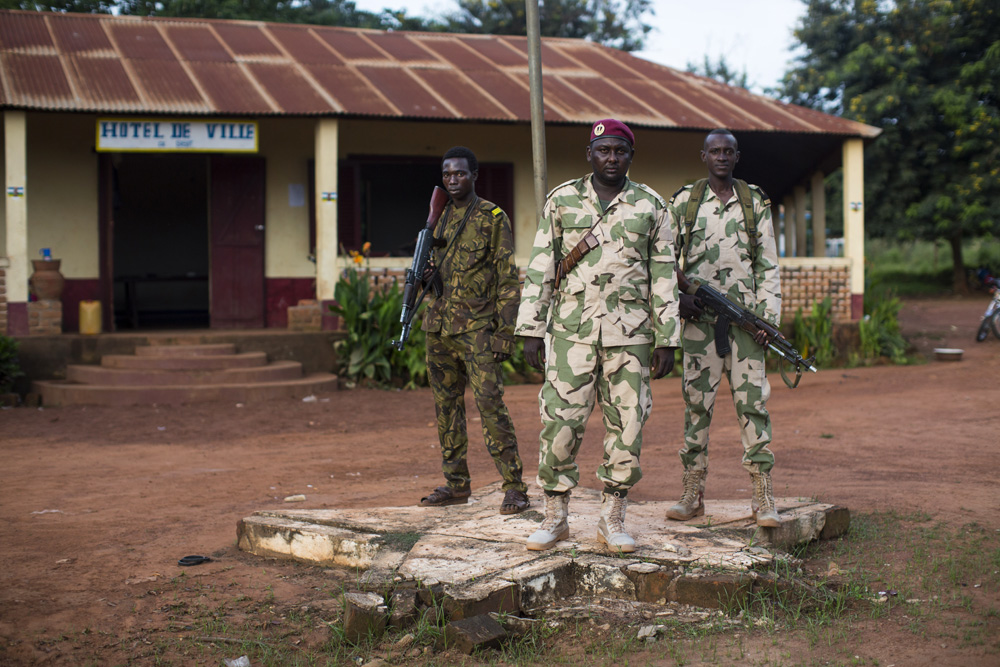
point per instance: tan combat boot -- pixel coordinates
(692, 502)
(611, 527)
(762, 505)
(555, 526)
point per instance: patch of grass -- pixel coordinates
(398, 541)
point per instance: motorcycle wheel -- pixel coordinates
(995, 323)
(984, 329)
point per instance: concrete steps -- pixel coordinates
(182, 374)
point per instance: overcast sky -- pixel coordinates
(755, 35)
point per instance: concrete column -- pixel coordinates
(854, 221)
(800, 222)
(818, 192)
(789, 204)
(16, 210)
(327, 260)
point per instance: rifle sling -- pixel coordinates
(447, 250)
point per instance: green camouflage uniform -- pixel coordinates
(618, 302)
(720, 255)
(472, 319)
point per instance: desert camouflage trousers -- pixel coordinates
(577, 375)
(452, 363)
(703, 371)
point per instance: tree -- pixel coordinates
(720, 71)
(615, 23)
(927, 72)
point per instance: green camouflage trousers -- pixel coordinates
(577, 374)
(703, 370)
(453, 362)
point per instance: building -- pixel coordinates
(211, 173)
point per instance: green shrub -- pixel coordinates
(879, 329)
(10, 365)
(370, 318)
(814, 333)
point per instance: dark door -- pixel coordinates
(236, 226)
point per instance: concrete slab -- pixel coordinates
(477, 560)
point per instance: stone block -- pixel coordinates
(467, 634)
(713, 591)
(365, 615)
(541, 582)
(597, 576)
(481, 598)
(403, 607)
(838, 520)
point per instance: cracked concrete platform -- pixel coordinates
(477, 558)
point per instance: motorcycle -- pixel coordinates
(991, 318)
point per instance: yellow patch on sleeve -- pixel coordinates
(496, 211)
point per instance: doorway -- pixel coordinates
(160, 241)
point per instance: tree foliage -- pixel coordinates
(927, 72)
(615, 23)
(720, 70)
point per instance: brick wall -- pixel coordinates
(44, 317)
(804, 286)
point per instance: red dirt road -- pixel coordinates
(97, 504)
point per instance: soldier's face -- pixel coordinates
(610, 158)
(720, 155)
(458, 179)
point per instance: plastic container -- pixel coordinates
(90, 317)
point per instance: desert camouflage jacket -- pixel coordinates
(480, 279)
(624, 291)
(720, 251)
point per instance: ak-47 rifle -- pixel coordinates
(731, 313)
(412, 294)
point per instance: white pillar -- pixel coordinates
(789, 204)
(818, 191)
(854, 220)
(327, 260)
(16, 211)
(800, 221)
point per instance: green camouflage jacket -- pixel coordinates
(624, 291)
(720, 250)
(479, 276)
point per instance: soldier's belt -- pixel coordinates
(586, 244)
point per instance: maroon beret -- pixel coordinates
(609, 127)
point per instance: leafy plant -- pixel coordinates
(10, 365)
(879, 329)
(814, 332)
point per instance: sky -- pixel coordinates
(755, 35)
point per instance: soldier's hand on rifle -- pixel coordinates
(762, 338)
(534, 351)
(663, 361)
(428, 271)
(690, 306)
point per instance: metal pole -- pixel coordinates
(537, 105)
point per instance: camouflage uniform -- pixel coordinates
(720, 254)
(608, 312)
(472, 319)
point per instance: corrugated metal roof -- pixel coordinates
(100, 63)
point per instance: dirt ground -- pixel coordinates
(97, 504)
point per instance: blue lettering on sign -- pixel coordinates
(181, 130)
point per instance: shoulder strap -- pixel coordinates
(691, 213)
(746, 201)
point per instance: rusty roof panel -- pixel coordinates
(496, 51)
(303, 46)
(551, 57)
(24, 30)
(228, 88)
(466, 99)
(351, 45)
(157, 65)
(37, 78)
(286, 85)
(595, 61)
(197, 43)
(401, 48)
(405, 93)
(458, 53)
(168, 86)
(80, 35)
(353, 92)
(105, 79)
(140, 41)
(245, 40)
